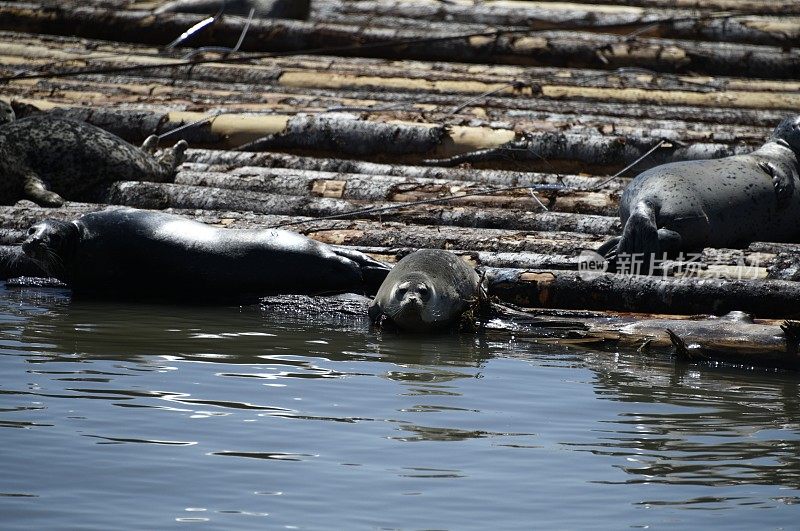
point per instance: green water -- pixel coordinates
(157, 417)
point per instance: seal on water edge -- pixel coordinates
(727, 202)
(297, 9)
(427, 290)
(44, 158)
(130, 253)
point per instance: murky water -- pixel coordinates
(155, 417)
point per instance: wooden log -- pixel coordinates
(507, 113)
(577, 49)
(673, 23)
(633, 87)
(594, 291)
(359, 187)
(164, 195)
(755, 7)
(216, 160)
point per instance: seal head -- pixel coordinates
(427, 290)
(787, 133)
(51, 244)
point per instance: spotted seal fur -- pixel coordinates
(427, 290)
(727, 202)
(47, 158)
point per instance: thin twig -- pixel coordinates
(631, 165)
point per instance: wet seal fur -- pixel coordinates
(428, 290)
(46, 158)
(140, 254)
(296, 9)
(727, 202)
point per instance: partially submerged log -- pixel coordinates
(578, 49)
(595, 291)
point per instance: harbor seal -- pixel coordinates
(727, 202)
(140, 254)
(427, 290)
(46, 158)
(296, 9)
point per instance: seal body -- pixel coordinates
(46, 158)
(427, 290)
(727, 202)
(297, 9)
(134, 253)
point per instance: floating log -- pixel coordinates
(755, 7)
(577, 49)
(672, 23)
(594, 291)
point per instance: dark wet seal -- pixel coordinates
(47, 159)
(138, 254)
(297, 9)
(727, 202)
(427, 290)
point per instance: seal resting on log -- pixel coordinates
(46, 158)
(728, 202)
(427, 290)
(297, 9)
(140, 254)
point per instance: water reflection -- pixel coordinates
(712, 426)
(210, 384)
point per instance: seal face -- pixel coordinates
(727, 202)
(44, 158)
(130, 253)
(427, 290)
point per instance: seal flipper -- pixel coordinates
(609, 248)
(640, 235)
(781, 180)
(36, 191)
(373, 272)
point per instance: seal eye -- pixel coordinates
(424, 292)
(31, 231)
(400, 292)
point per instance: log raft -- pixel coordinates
(364, 128)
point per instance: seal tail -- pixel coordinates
(640, 236)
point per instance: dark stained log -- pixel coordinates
(671, 23)
(576, 49)
(143, 195)
(595, 291)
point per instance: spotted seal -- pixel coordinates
(297, 9)
(427, 290)
(131, 253)
(727, 202)
(46, 158)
